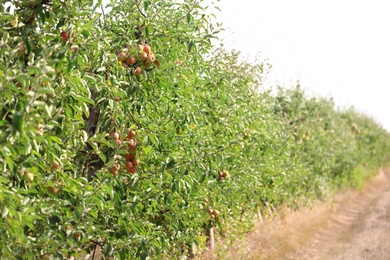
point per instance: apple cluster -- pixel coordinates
(213, 213)
(131, 160)
(143, 57)
(223, 175)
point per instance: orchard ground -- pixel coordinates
(352, 225)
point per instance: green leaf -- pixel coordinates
(18, 121)
(190, 45)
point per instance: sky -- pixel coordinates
(334, 48)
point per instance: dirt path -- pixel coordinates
(358, 228)
(355, 226)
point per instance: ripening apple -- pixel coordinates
(65, 36)
(131, 134)
(119, 142)
(76, 234)
(20, 49)
(143, 55)
(115, 169)
(50, 95)
(129, 165)
(135, 162)
(45, 257)
(121, 56)
(150, 59)
(147, 63)
(138, 71)
(113, 172)
(140, 48)
(128, 157)
(28, 177)
(55, 165)
(132, 144)
(146, 49)
(130, 61)
(117, 99)
(124, 65)
(131, 170)
(157, 64)
(52, 190)
(115, 135)
(18, 84)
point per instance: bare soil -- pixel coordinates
(354, 225)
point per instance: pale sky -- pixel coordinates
(338, 48)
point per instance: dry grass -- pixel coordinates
(281, 236)
(291, 232)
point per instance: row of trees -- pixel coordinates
(129, 131)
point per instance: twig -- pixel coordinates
(139, 9)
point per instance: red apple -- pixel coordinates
(146, 49)
(115, 169)
(132, 145)
(65, 36)
(115, 135)
(128, 157)
(130, 168)
(130, 61)
(124, 65)
(138, 71)
(131, 134)
(117, 99)
(121, 56)
(157, 64)
(129, 165)
(119, 142)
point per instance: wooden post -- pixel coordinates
(269, 210)
(259, 215)
(193, 251)
(211, 238)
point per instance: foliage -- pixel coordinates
(203, 135)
